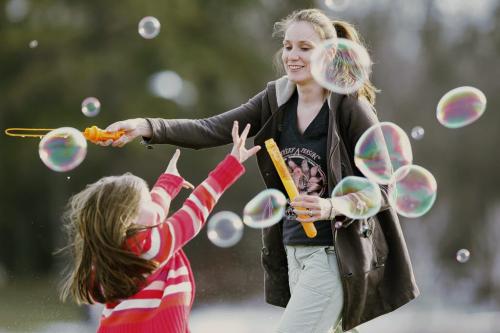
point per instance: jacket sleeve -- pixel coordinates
(359, 115)
(207, 132)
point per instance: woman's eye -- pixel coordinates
(305, 48)
(288, 48)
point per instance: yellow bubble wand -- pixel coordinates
(92, 133)
(286, 179)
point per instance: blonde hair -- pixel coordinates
(326, 29)
(98, 221)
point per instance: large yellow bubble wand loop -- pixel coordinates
(92, 133)
(288, 183)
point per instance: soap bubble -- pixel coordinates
(412, 191)
(225, 229)
(149, 27)
(265, 209)
(417, 132)
(460, 107)
(337, 5)
(340, 65)
(381, 150)
(91, 106)
(63, 149)
(463, 255)
(356, 197)
(33, 44)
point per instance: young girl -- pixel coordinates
(128, 254)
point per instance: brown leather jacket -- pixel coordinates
(375, 266)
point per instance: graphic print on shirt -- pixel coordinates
(305, 168)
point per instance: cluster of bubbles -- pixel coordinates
(63, 149)
(91, 107)
(225, 229)
(384, 155)
(149, 27)
(340, 65)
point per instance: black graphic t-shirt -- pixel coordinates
(305, 156)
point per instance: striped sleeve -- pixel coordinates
(165, 189)
(166, 238)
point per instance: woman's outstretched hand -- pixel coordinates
(239, 151)
(172, 169)
(132, 127)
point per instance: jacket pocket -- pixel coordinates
(379, 243)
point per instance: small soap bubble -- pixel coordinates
(338, 225)
(340, 65)
(412, 191)
(63, 149)
(33, 44)
(337, 5)
(68, 178)
(91, 106)
(417, 132)
(356, 197)
(149, 27)
(225, 229)
(463, 255)
(381, 150)
(460, 107)
(265, 209)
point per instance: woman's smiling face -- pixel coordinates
(298, 44)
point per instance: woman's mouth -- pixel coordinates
(295, 68)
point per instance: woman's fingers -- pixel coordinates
(305, 204)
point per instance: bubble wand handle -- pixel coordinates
(94, 133)
(286, 179)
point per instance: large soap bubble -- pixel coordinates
(357, 197)
(381, 150)
(149, 27)
(63, 149)
(412, 191)
(340, 65)
(265, 209)
(460, 107)
(225, 229)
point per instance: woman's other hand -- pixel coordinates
(312, 208)
(239, 151)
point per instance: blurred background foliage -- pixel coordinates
(223, 50)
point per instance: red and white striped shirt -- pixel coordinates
(164, 304)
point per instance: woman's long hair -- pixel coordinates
(326, 29)
(98, 221)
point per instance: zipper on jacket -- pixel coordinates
(342, 274)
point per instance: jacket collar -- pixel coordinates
(285, 89)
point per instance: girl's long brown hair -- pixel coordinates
(326, 29)
(98, 221)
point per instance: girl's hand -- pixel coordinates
(132, 127)
(172, 169)
(239, 151)
(312, 208)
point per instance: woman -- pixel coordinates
(353, 273)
